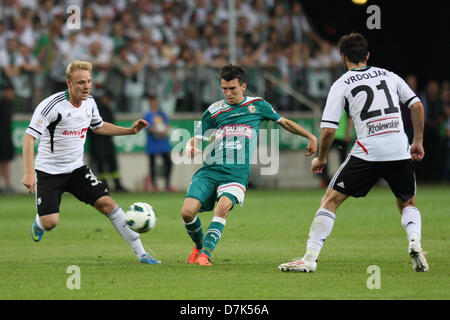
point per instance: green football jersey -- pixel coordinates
(235, 130)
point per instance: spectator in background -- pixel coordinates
(125, 77)
(411, 80)
(446, 101)
(3, 35)
(196, 14)
(103, 151)
(301, 28)
(262, 19)
(431, 167)
(117, 35)
(101, 61)
(71, 49)
(88, 34)
(138, 57)
(23, 31)
(29, 69)
(6, 144)
(158, 144)
(11, 60)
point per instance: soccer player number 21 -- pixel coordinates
(365, 113)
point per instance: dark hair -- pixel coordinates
(230, 72)
(354, 47)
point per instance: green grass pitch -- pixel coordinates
(271, 228)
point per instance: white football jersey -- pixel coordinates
(372, 97)
(62, 128)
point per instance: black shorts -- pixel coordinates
(355, 177)
(82, 183)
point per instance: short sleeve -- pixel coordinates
(43, 115)
(96, 120)
(204, 126)
(405, 93)
(269, 112)
(334, 108)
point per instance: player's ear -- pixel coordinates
(244, 86)
(367, 56)
(344, 61)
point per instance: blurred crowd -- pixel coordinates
(169, 48)
(172, 49)
(435, 96)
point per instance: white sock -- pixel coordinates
(412, 222)
(320, 230)
(117, 217)
(38, 222)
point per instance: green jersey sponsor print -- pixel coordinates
(234, 131)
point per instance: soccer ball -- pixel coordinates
(141, 217)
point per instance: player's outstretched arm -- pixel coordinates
(326, 139)
(29, 179)
(417, 119)
(109, 129)
(297, 129)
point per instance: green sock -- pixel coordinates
(213, 235)
(195, 231)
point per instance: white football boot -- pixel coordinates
(298, 265)
(419, 262)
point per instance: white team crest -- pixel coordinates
(251, 108)
(88, 113)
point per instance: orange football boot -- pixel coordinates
(203, 260)
(193, 256)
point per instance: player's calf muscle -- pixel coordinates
(49, 221)
(105, 205)
(408, 203)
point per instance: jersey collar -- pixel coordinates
(361, 68)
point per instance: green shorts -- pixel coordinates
(210, 183)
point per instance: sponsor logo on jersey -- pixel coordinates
(75, 133)
(382, 126)
(231, 145)
(234, 130)
(39, 123)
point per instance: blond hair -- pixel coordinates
(77, 65)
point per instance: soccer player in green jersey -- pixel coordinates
(224, 175)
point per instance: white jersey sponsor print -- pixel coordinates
(372, 97)
(62, 128)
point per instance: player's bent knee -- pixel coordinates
(49, 222)
(190, 208)
(187, 214)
